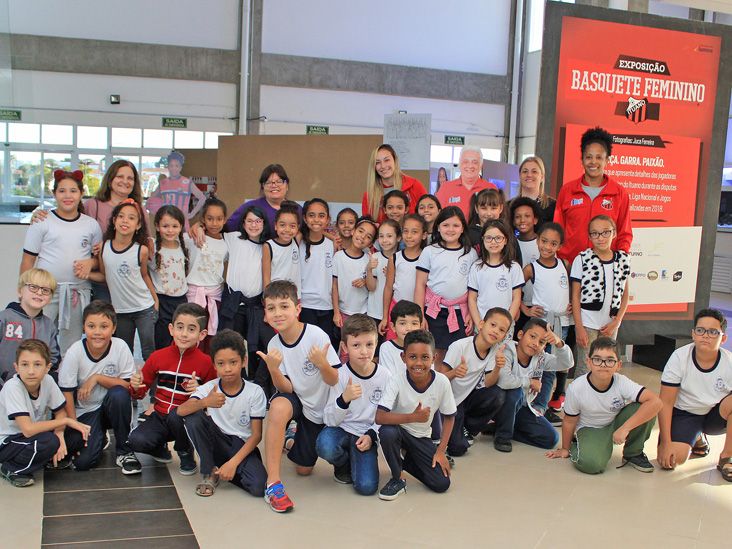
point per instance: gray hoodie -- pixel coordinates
(15, 326)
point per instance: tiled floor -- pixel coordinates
(512, 500)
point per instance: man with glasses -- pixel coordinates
(603, 408)
(24, 319)
(695, 388)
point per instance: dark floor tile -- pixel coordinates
(117, 526)
(177, 542)
(98, 479)
(106, 501)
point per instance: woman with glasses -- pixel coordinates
(274, 185)
(592, 194)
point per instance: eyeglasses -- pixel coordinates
(254, 221)
(277, 183)
(713, 332)
(604, 234)
(497, 239)
(604, 362)
(39, 289)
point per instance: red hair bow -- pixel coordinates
(76, 175)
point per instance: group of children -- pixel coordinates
(416, 335)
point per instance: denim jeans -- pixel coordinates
(515, 421)
(337, 447)
(142, 321)
(547, 382)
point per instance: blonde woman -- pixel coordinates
(531, 185)
(385, 176)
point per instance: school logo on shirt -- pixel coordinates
(295, 255)
(328, 260)
(85, 243)
(577, 202)
(124, 270)
(13, 330)
(607, 203)
(502, 283)
(464, 268)
(244, 419)
(110, 370)
(721, 386)
(309, 369)
(563, 282)
(616, 404)
(375, 397)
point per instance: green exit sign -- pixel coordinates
(454, 140)
(317, 130)
(10, 115)
(175, 122)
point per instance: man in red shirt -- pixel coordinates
(592, 194)
(458, 191)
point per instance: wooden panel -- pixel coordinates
(200, 162)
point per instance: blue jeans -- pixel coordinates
(547, 381)
(337, 447)
(515, 421)
(142, 321)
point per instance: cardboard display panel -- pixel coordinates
(199, 162)
(332, 167)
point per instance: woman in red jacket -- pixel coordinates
(592, 194)
(384, 176)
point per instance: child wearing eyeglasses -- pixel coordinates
(695, 388)
(599, 280)
(24, 319)
(603, 408)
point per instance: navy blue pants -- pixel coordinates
(22, 455)
(474, 413)
(418, 456)
(215, 448)
(515, 421)
(159, 429)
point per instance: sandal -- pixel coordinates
(701, 447)
(724, 466)
(207, 486)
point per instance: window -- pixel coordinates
(93, 166)
(186, 139)
(158, 139)
(3, 125)
(25, 171)
(134, 159)
(441, 154)
(491, 154)
(535, 30)
(212, 139)
(51, 163)
(127, 138)
(24, 133)
(152, 168)
(53, 134)
(90, 137)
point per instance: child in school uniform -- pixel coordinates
(94, 377)
(465, 366)
(389, 237)
(207, 273)
(604, 408)
(395, 204)
(349, 439)
(406, 316)
(349, 292)
(28, 439)
(520, 379)
(549, 276)
(599, 288)
(525, 215)
(175, 373)
(428, 207)
(224, 420)
(402, 268)
(486, 205)
(696, 385)
(24, 319)
(316, 268)
(281, 254)
(441, 286)
(124, 266)
(405, 414)
(62, 245)
(303, 365)
(345, 224)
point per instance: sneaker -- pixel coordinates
(277, 498)
(62, 464)
(141, 417)
(342, 473)
(639, 462)
(187, 464)
(552, 417)
(468, 436)
(450, 460)
(106, 441)
(503, 445)
(557, 404)
(290, 436)
(19, 481)
(129, 463)
(393, 489)
(162, 454)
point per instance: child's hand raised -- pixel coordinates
(192, 384)
(214, 398)
(272, 359)
(558, 453)
(535, 386)
(319, 355)
(551, 338)
(136, 381)
(421, 415)
(462, 368)
(373, 261)
(501, 356)
(352, 391)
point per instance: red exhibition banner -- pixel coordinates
(654, 90)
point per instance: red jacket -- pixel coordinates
(411, 186)
(171, 369)
(575, 210)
